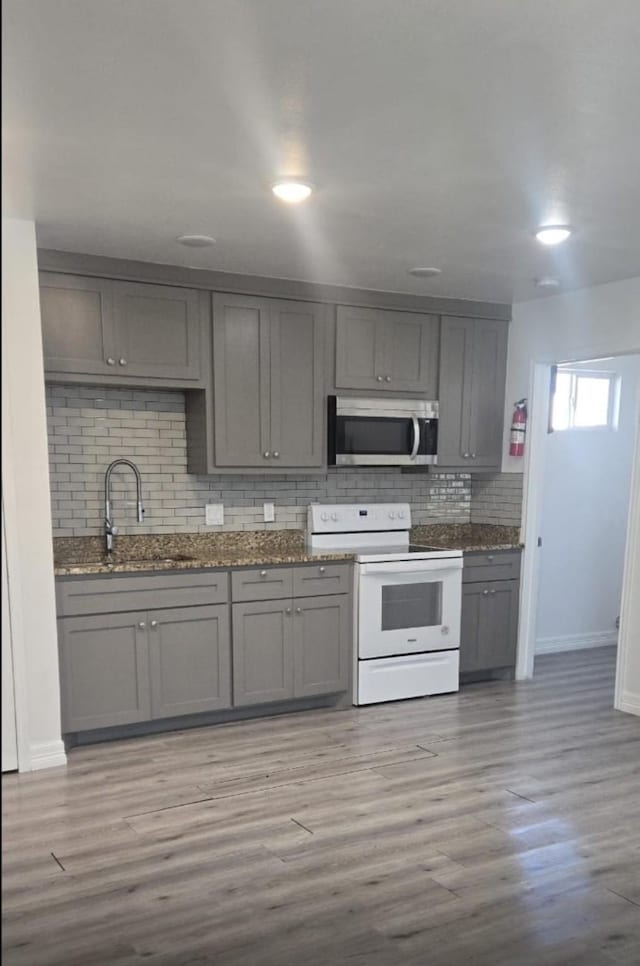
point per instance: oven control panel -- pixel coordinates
(357, 517)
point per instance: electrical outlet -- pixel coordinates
(214, 514)
(269, 512)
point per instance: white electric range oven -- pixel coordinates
(407, 601)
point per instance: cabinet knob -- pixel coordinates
(493, 592)
(473, 456)
(263, 573)
(387, 378)
(485, 593)
(154, 623)
(298, 610)
(322, 569)
(266, 455)
(276, 455)
(379, 378)
(465, 456)
(111, 362)
(142, 625)
(122, 362)
(489, 556)
(287, 610)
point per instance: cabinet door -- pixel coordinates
(242, 391)
(262, 652)
(322, 644)
(104, 671)
(360, 348)
(456, 350)
(489, 625)
(157, 331)
(411, 353)
(297, 413)
(77, 325)
(489, 364)
(189, 655)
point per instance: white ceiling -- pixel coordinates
(438, 132)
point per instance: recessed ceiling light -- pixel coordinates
(292, 191)
(425, 272)
(547, 281)
(553, 234)
(196, 241)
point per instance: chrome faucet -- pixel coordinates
(110, 529)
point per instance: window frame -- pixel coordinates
(576, 373)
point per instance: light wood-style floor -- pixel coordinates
(497, 826)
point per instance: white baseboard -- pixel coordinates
(575, 642)
(50, 754)
(629, 702)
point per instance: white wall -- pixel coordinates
(27, 513)
(585, 500)
(588, 323)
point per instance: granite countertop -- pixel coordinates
(183, 551)
(467, 536)
(75, 556)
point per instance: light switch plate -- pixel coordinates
(214, 514)
(269, 512)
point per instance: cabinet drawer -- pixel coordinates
(496, 565)
(126, 592)
(321, 579)
(266, 583)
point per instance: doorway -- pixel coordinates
(583, 437)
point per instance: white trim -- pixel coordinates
(48, 755)
(576, 642)
(629, 702)
(532, 502)
(625, 700)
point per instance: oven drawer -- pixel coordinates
(415, 676)
(492, 565)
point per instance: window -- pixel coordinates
(582, 399)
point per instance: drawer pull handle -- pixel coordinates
(263, 573)
(490, 556)
(322, 569)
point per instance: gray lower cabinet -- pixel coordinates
(290, 648)
(267, 410)
(473, 361)
(489, 625)
(378, 349)
(263, 647)
(104, 671)
(189, 660)
(322, 636)
(122, 332)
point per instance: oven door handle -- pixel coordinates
(440, 567)
(416, 437)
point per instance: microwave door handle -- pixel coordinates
(416, 437)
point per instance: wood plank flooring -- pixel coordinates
(497, 826)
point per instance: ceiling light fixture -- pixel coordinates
(553, 234)
(196, 241)
(547, 281)
(292, 191)
(425, 272)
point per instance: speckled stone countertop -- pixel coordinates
(183, 551)
(467, 536)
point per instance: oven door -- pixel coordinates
(408, 607)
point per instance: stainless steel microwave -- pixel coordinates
(382, 432)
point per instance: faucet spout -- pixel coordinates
(110, 529)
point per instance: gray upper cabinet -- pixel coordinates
(473, 359)
(268, 383)
(77, 324)
(121, 332)
(157, 331)
(104, 671)
(190, 660)
(378, 349)
(322, 644)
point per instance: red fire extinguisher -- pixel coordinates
(518, 428)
